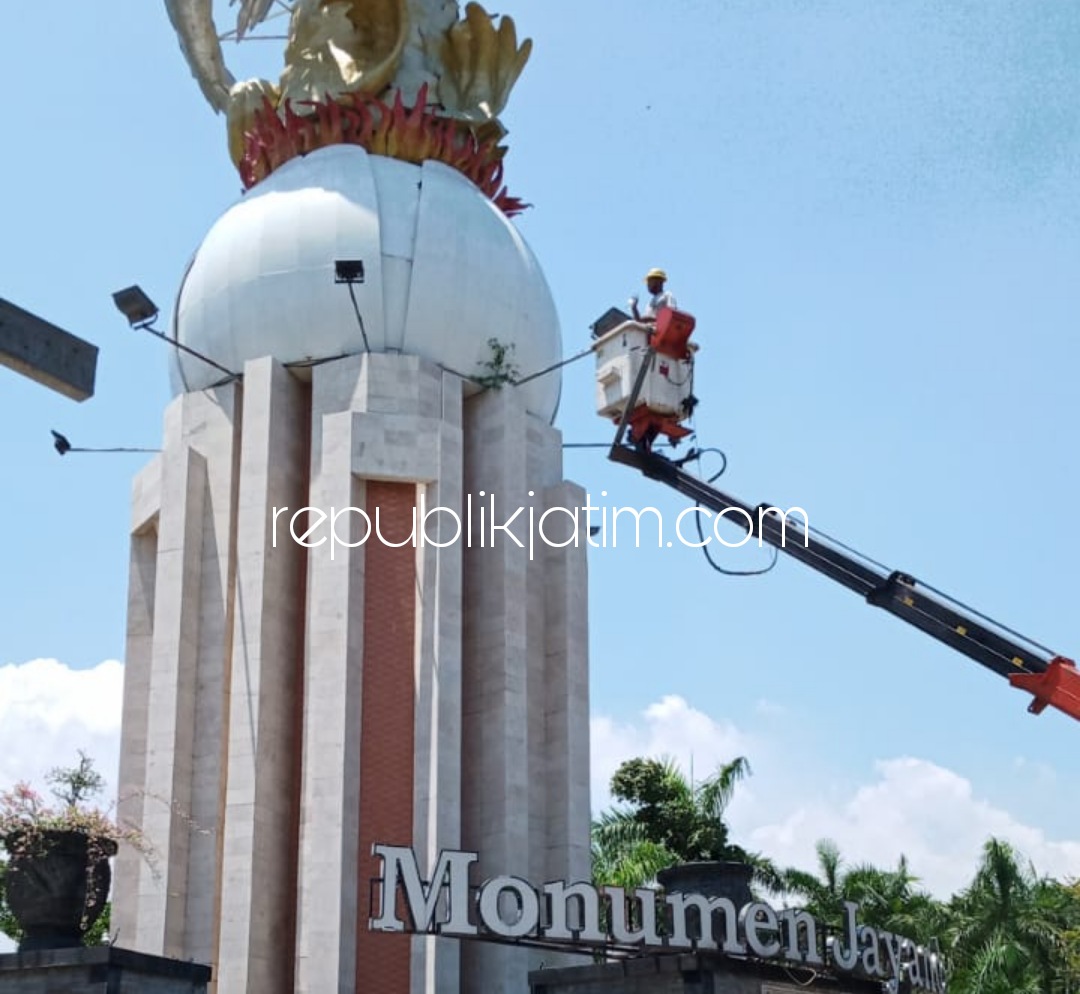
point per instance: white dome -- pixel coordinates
(445, 271)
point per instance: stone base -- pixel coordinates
(99, 970)
(691, 974)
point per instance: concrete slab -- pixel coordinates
(46, 354)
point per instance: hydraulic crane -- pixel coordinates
(658, 362)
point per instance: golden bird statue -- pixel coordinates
(342, 51)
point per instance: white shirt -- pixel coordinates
(658, 302)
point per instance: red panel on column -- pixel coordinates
(387, 716)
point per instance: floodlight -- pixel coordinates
(136, 306)
(348, 271)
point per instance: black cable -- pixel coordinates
(551, 369)
(696, 455)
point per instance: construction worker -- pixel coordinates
(660, 298)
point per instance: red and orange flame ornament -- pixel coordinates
(412, 134)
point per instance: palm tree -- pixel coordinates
(822, 895)
(1011, 930)
(622, 856)
(887, 899)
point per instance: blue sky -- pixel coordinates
(871, 210)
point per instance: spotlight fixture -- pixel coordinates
(142, 312)
(136, 306)
(348, 271)
(351, 272)
(63, 446)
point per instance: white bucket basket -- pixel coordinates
(619, 356)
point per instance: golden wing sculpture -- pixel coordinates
(343, 46)
(481, 64)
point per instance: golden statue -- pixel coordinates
(355, 54)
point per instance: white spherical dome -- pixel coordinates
(445, 272)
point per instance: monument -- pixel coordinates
(318, 660)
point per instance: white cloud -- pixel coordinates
(907, 805)
(670, 727)
(930, 814)
(49, 711)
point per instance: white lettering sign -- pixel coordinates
(508, 907)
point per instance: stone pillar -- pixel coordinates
(172, 775)
(257, 898)
(525, 743)
(381, 752)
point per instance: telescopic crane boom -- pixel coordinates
(1050, 678)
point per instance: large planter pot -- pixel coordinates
(719, 879)
(57, 887)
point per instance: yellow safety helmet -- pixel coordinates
(655, 274)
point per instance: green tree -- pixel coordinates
(666, 819)
(623, 856)
(686, 819)
(887, 899)
(1012, 931)
(822, 894)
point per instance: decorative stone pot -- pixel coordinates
(719, 879)
(57, 890)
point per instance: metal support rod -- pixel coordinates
(359, 316)
(184, 348)
(632, 402)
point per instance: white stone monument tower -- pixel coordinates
(301, 687)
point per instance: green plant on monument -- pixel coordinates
(57, 877)
(498, 368)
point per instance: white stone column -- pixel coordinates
(258, 873)
(568, 815)
(436, 963)
(138, 656)
(184, 688)
(330, 789)
(391, 419)
(495, 739)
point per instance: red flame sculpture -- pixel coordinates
(411, 134)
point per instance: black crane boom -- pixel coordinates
(1052, 679)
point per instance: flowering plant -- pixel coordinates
(29, 826)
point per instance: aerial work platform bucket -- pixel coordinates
(666, 395)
